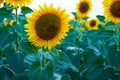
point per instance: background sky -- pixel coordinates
(70, 5)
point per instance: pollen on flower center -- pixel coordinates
(47, 26)
(84, 6)
(92, 23)
(115, 9)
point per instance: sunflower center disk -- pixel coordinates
(115, 9)
(92, 23)
(84, 6)
(47, 26)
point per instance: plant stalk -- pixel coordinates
(16, 13)
(118, 37)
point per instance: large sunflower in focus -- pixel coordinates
(83, 8)
(18, 3)
(47, 26)
(112, 10)
(92, 24)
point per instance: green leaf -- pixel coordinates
(74, 13)
(114, 56)
(99, 60)
(75, 23)
(101, 18)
(53, 55)
(94, 72)
(39, 73)
(16, 63)
(85, 18)
(45, 62)
(5, 73)
(76, 59)
(0, 60)
(6, 12)
(9, 51)
(68, 47)
(21, 76)
(50, 69)
(109, 25)
(26, 10)
(65, 77)
(27, 47)
(35, 65)
(78, 77)
(108, 73)
(20, 29)
(64, 61)
(22, 20)
(106, 35)
(90, 57)
(30, 59)
(7, 36)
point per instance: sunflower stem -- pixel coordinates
(118, 36)
(42, 58)
(16, 13)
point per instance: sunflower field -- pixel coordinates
(47, 44)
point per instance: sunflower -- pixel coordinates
(92, 24)
(112, 10)
(47, 26)
(83, 8)
(1, 1)
(18, 3)
(83, 28)
(8, 22)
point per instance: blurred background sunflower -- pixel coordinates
(92, 24)
(47, 26)
(112, 10)
(97, 8)
(1, 1)
(18, 3)
(8, 22)
(83, 8)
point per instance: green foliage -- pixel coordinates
(82, 55)
(26, 10)
(6, 12)
(39, 73)
(101, 18)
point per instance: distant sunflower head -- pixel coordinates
(92, 24)
(82, 28)
(83, 8)
(1, 1)
(18, 3)
(8, 22)
(47, 26)
(112, 10)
